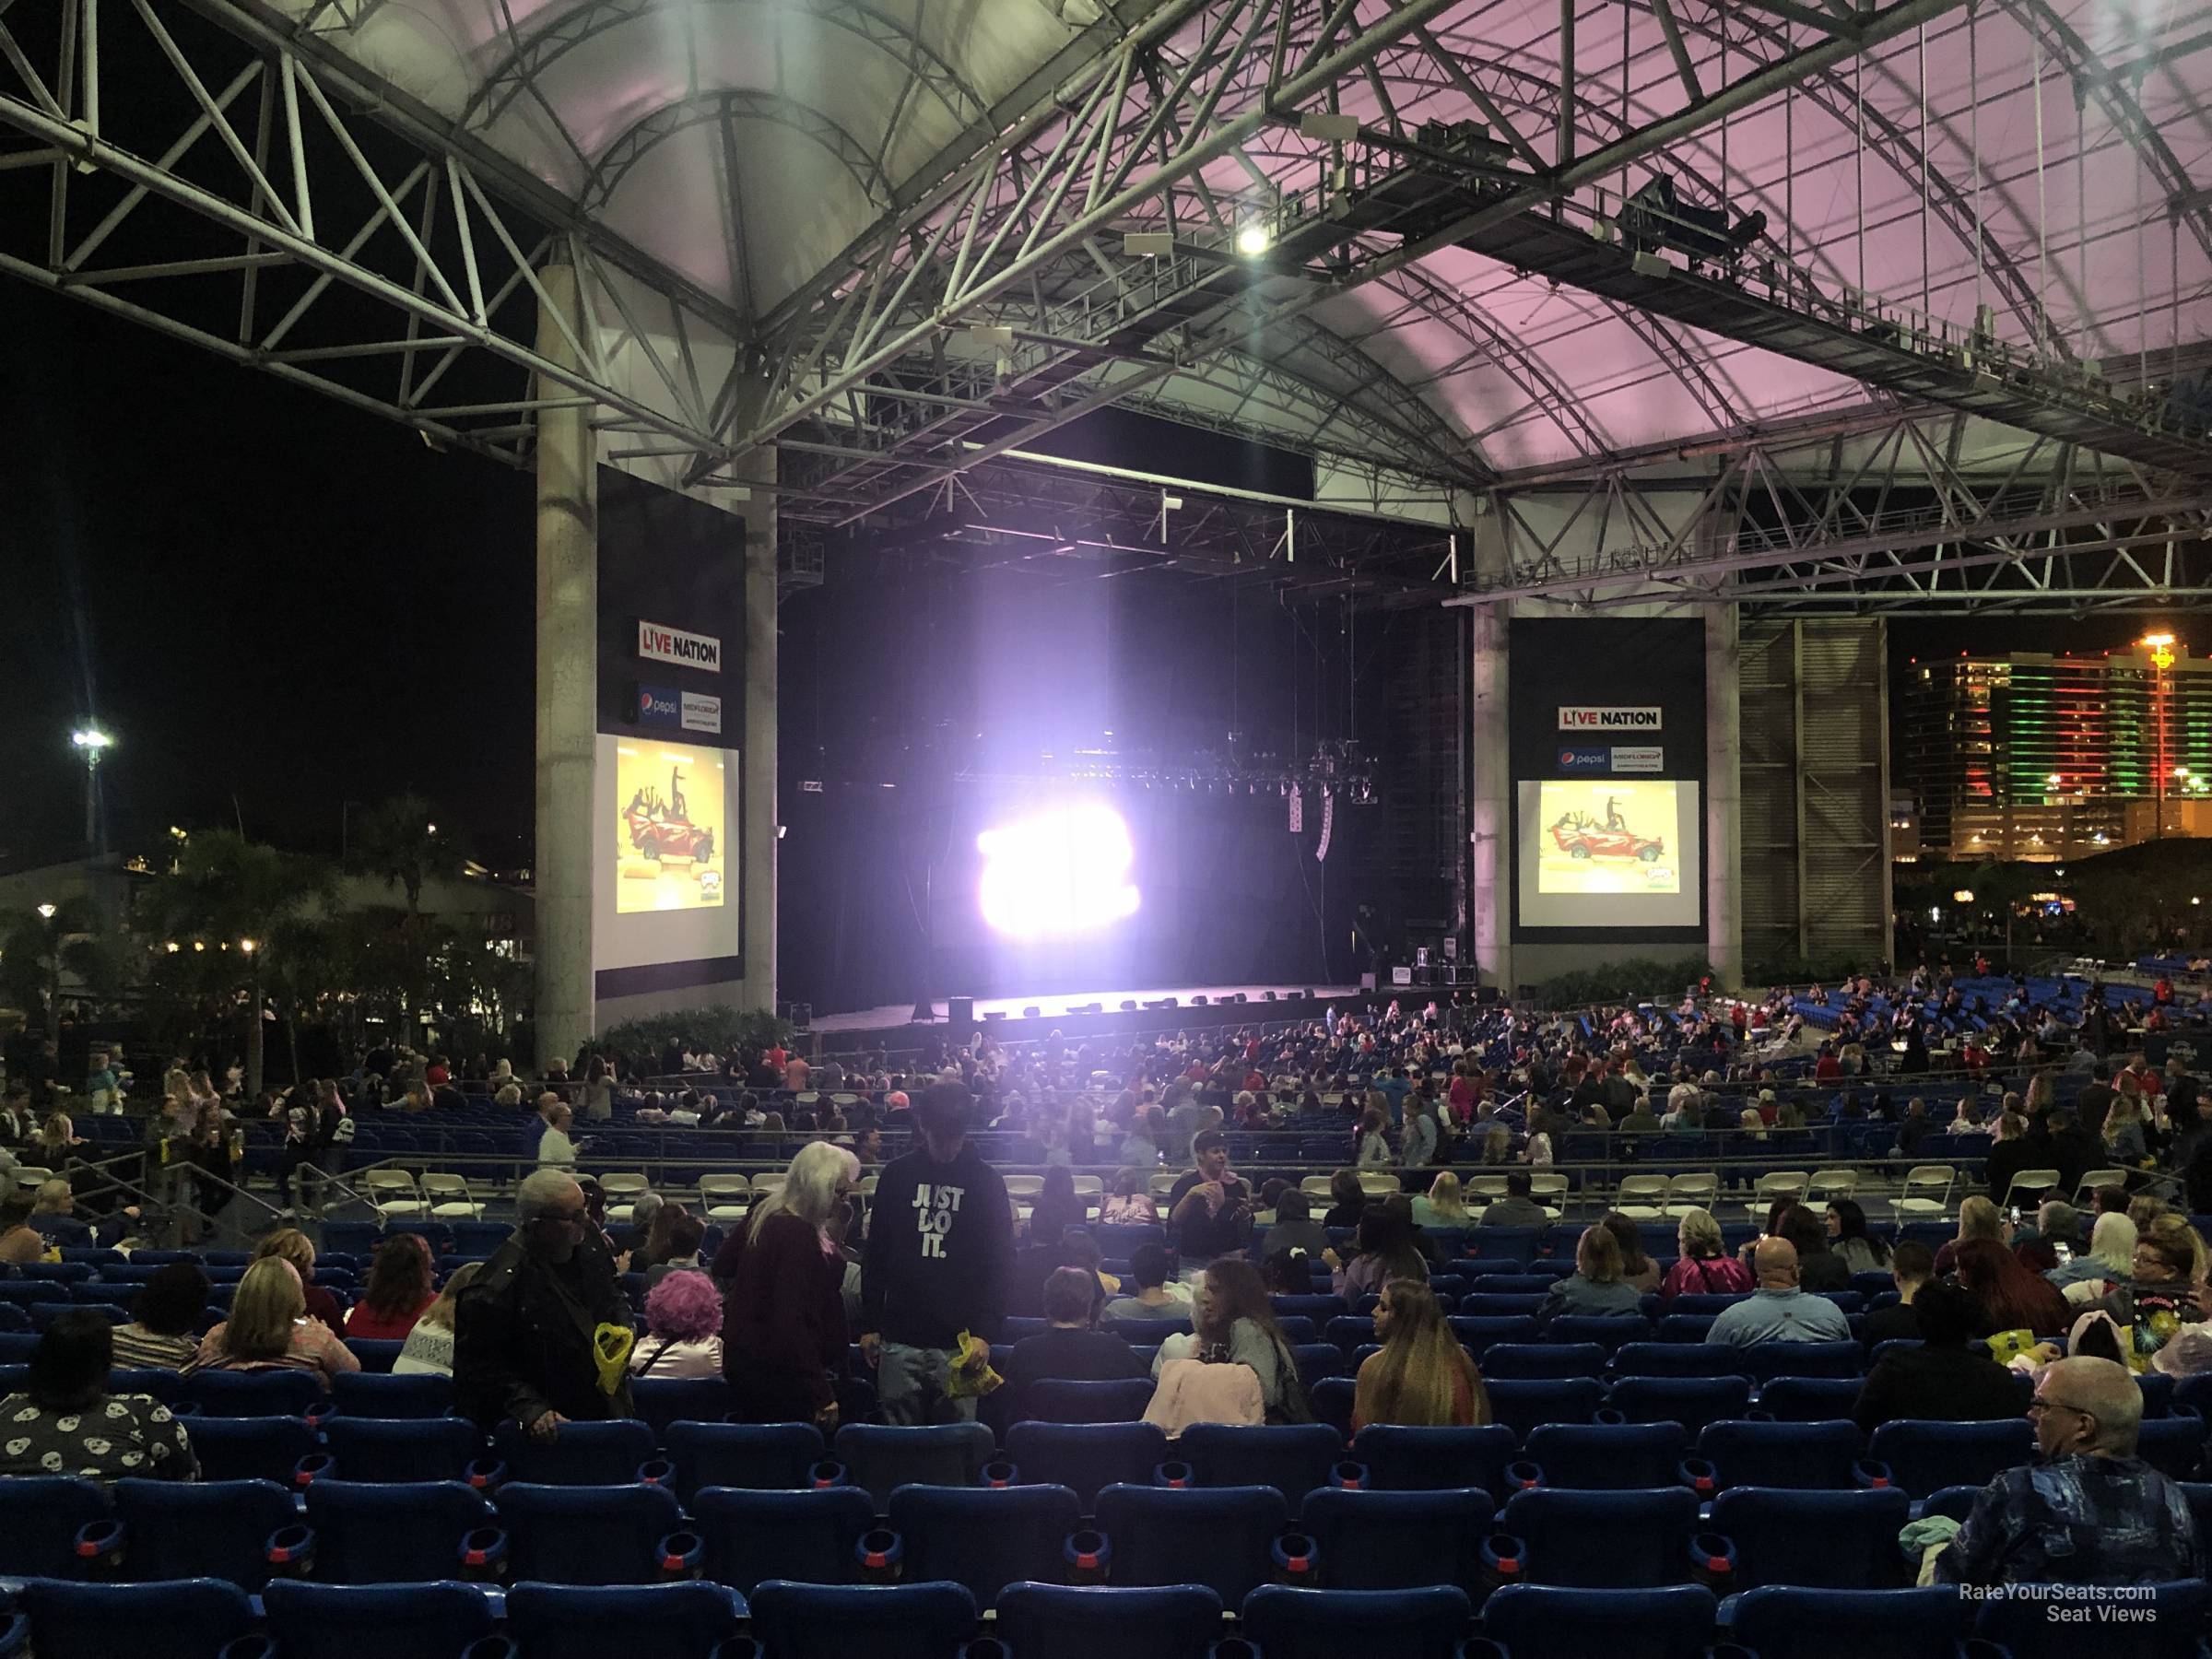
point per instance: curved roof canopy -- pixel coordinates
(885, 188)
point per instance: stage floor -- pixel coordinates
(1058, 1004)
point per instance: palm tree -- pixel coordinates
(399, 841)
(235, 895)
(36, 948)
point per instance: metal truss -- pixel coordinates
(1892, 521)
(216, 187)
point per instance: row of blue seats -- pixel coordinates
(941, 1620)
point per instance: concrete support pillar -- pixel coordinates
(1490, 781)
(568, 687)
(758, 764)
(1723, 795)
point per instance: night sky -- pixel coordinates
(278, 604)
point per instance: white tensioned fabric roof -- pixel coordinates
(751, 145)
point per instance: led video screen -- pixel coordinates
(671, 833)
(1608, 853)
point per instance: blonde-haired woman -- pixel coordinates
(2108, 1264)
(290, 1244)
(783, 1325)
(268, 1330)
(1704, 1267)
(1422, 1378)
(1441, 1206)
(1979, 1218)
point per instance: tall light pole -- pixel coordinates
(2161, 647)
(91, 743)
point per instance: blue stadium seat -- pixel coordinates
(1542, 1622)
(368, 1395)
(1525, 1406)
(1347, 1331)
(1335, 1399)
(401, 1449)
(1816, 1456)
(1809, 1399)
(1924, 1456)
(1765, 1360)
(1293, 1458)
(1397, 1540)
(17, 1340)
(1483, 1302)
(1220, 1538)
(1543, 1360)
(767, 1456)
(1607, 1540)
(392, 1534)
(392, 1621)
(254, 1448)
(583, 1535)
(214, 1529)
(880, 1458)
(1778, 1623)
(604, 1454)
(191, 1620)
(1839, 1540)
(982, 1537)
(1284, 1623)
(1310, 1307)
(1692, 1402)
(1085, 1456)
(1427, 1460)
(2173, 1445)
(1317, 1361)
(882, 1622)
(1684, 1327)
(253, 1393)
(1607, 1331)
(1102, 1622)
(559, 1621)
(1676, 1359)
(1476, 1334)
(1610, 1456)
(664, 1400)
(2165, 1621)
(39, 1520)
(377, 1356)
(753, 1534)
(1703, 1304)
(1061, 1400)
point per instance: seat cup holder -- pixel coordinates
(1000, 1474)
(1174, 1474)
(1701, 1476)
(1871, 1475)
(826, 1473)
(99, 1547)
(484, 1474)
(737, 1647)
(1523, 1475)
(1233, 1647)
(248, 1647)
(1713, 1562)
(882, 1556)
(1090, 1556)
(1297, 1557)
(1501, 1561)
(314, 1467)
(292, 1551)
(1349, 1476)
(986, 1647)
(656, 1471)
(484, 1553)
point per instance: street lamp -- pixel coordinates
(91, 743)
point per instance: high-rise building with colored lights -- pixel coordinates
(2035, 756)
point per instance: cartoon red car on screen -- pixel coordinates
(1580, 835)
(663, 827)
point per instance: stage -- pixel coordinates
(1070, 1013)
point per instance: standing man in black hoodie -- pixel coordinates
(939, 1261)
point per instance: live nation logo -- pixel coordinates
(660, 644)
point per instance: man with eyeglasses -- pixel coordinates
(522, 1331)
(2088, 1511)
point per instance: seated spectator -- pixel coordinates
(19, 1241)
(1153, 1297)
(1849, 1238)
(2089, 1511)
(65, 1422)
(1596, 1286)
(1057, 1206)
(1637, 1271)
(1702, 1268)
(679, 1244)
(1440, 1205)
(1950, 1378)
(1347, 1200)
(1516, 1208)
(429, 1347)
(1294, 1226)
(1911, 1268)
(1288, 1272)
(288, 1244)
(1130, 1204)
(398, 1290)
(1422, 1378)
(1209, 1209)
(1818, 1267)
(1234, 1324)
(1374, 1141)
(683, 1329)
(163, 1334)
(555, 1149)
(645, 1232)
(2104, 1267)
(2162, 1307)
(2057, 1223)
(1779, 1311)
(1385, 1248)
(1068, 1347)
(2012, 1298)
(53, 1214)
(269, 1330)
(1979, 1218)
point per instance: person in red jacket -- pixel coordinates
(783, 1325)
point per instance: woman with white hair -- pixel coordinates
(783, 1325)
(2108, 1264)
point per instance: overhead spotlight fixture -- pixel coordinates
(996, 335)
(1330, 127)
(1253, 241)
(1147, 244)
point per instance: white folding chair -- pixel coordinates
(1693, 1191)
(450, 1198)
(1771, 1188)
(1379, 1183)
(1926, 1193)
(622, 1192)
(2093, 1179)
(725, 1198)
(1641, 1197)
(1832, 1184)
(1024, 1187)
(393, 1193)
(2030, 1182)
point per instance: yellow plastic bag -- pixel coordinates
(979, 1380)
(611, 1346)
(2007, 1346)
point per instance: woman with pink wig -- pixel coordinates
(683, 1329)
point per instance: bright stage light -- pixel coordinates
(1253, 241)
(1064, 871)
